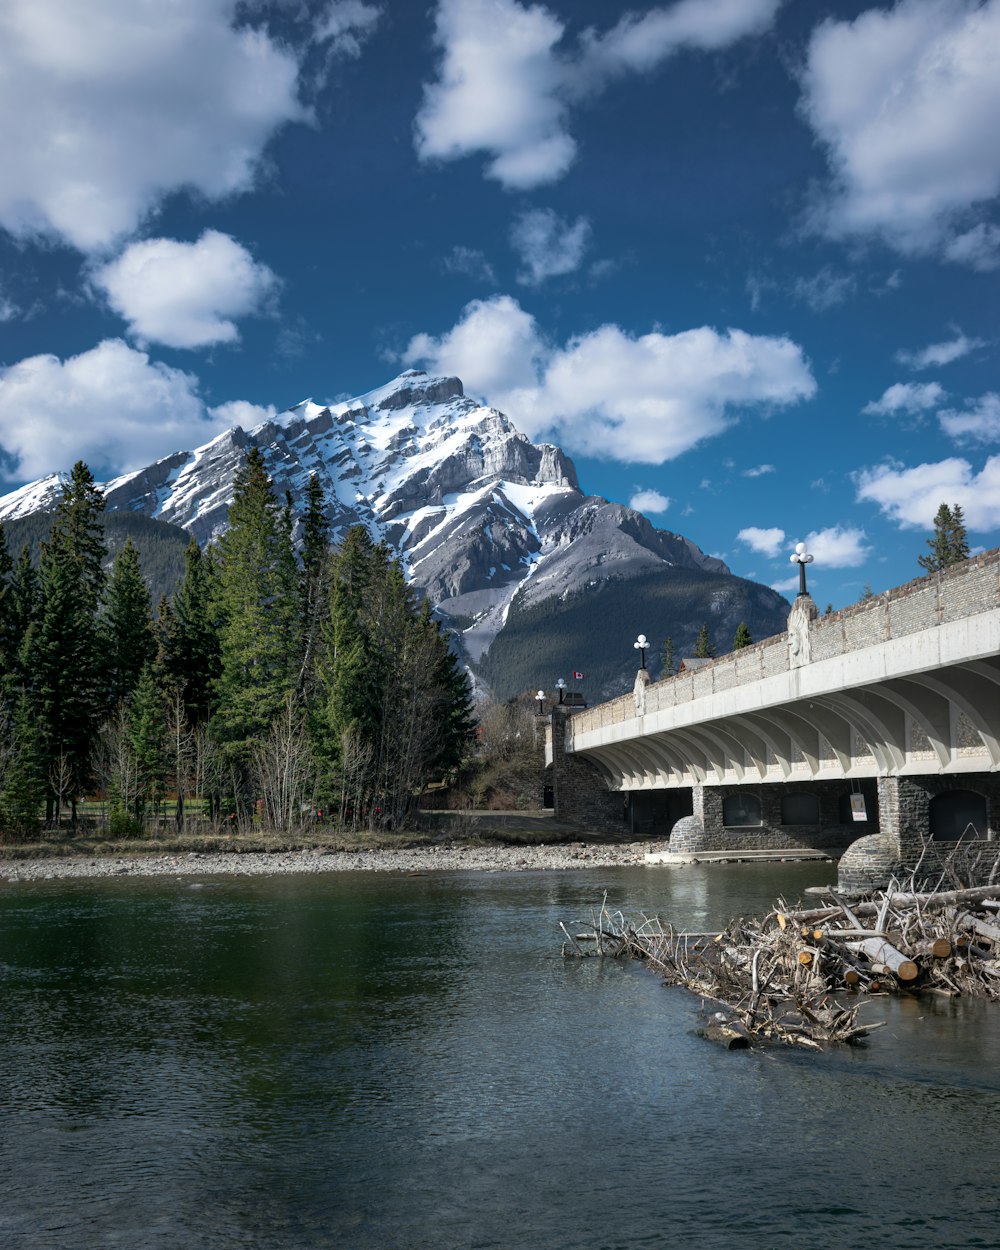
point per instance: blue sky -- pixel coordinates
(739, 258)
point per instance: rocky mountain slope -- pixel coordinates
(482, 519)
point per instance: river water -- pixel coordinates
(386, 1061)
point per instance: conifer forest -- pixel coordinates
(285, 681)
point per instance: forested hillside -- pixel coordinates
(593, 630)
(160, 545)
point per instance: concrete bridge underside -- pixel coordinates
(896, 701)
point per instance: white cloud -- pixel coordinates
(497, 92)
(787, 585)
(910, 497)
(347, 24)
(906, 102)
(908, 397)
(641, 42)
(979, 248)
(472, 262)
(242, 413)
(767, 541)
(185, 294)
(607, 394)
(979, 423)
(111, 406)
(119, 103)
(824, 290)
(838, 547)
(495, 349)
(505, 85)
(649, 501)
(547, 245)
(934, 355)
(759, 470)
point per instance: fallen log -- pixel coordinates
(881, 953)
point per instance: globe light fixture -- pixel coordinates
(561, 687)
(801, 557)
(640, 645)
(541, 702)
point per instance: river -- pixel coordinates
(389, 1062)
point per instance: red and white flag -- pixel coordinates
(578, 677)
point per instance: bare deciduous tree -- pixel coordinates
(284, 771)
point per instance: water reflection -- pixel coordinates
(360, 1061)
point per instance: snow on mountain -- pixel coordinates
(475, 511)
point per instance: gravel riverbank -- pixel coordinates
(416, 859)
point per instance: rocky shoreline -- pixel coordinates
(411, 860)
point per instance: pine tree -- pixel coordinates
(147, 733)
(10, 639)
(347, 674)
(949, 543)
(958, 544)
(259, 613)
(25, 788)
(128, 625)
(742, 637)
(63, 656)
(315, 579)
(190, 637)
(23, 607)
(393, 706)
(703, 648)
(668, 657)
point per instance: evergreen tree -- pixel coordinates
(703, 648)
(128, 625)
(668, 657)
(79, 532)
(742, 637)
(259, 613)
(10, 638)
(348, 675)
(949, 543)
(23, 607)
(394, 705)
(315, 578)
(25, 786)
(453, 719)
(147, 733)
(190, 637)
(958, 547)
(63, 657)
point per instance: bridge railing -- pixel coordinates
(964, 590)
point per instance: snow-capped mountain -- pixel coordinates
(476, 512)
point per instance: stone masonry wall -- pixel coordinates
(704, 830)
(581, 796)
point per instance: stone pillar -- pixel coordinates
(580, 794)
(888, 809)
(873, 860)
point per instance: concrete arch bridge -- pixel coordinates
(875, 728)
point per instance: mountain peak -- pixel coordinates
(483, 520)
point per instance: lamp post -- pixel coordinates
(541, 702)
(801, 557)
(640, 645)
(561, 687)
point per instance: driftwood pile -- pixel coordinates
(801, 976)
